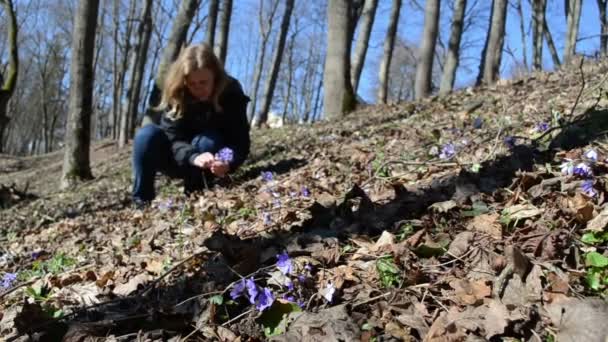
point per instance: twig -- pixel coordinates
(578, 97)
(157, 280)
(237, 317)
(371, 299)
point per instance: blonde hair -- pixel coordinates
(193, 57)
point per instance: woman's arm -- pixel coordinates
(183, 151)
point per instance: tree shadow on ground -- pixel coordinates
(160, 313)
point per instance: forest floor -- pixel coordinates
(478, 216)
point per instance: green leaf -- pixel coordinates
(475, 168)
(477, 209)
(429, 251)
(275, 319)
(386, 265)
(366, 327)
(593, 280)
(217, 299)
(595, 259)
(590, 238)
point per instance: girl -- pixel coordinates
(204, 111)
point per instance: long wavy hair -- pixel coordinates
(193, 57)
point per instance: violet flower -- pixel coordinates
(542, 127)
(587, 188)
(252, 290)
(583, 170)
(225, 155)
(8, 279)
(264, 299)
(238, 289)
(447, 151)
(284, 263)
(510, 141)
(305, 192)
(267, 176)
(591, 155)
(567, 168)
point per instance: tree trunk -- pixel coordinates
(538, 17)
(522, 31)
(601, 4)
(453, 55)
(492, 51)
(552, 49)
(389, 45)
(369, 13)
(573, 19)
(265, 30)
(424, 70)
(211, 22)
(338, 95)
(222, 45)
(276, 64)
(124, 64)
(138, 63)
(8, 87)
(115, 74)
(76, 165)
(177, 37)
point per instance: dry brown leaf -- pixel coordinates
(155, 266)
(579, 320)
(444, 207)
(132, 285)
(470, 292)
(583, 208)
(522, 211)
(600, 222)
(498, 318)
(443, 330)
(461, 244)
(386, 240)
(488, 224)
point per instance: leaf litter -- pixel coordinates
(415, 221)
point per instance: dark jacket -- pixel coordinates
(231, 124)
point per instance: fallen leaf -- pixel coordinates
(132, 285)
(600, 222)
(498, 318)
(470, 292)
(444, 207)
(582, 207)
(386, 239)
(444, 330)
(579, 319)
(522, 211)
(488, 224)
(155, 266)
(461, 244)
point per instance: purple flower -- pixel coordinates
(583, 170)
(289, 298)
(305, 192)
(252, 290)
(591, 155)
(542, 126)
(265, 299)
(284, 263)
(328, 292)
(301, 304)
(290, 285)
(225, 155)
(478, 122)
(587, 188)
(567, 168)
(164, 206)
(267, 176)
(510, 141)
(267, 219)
(35, 255)
(237, 290)
(447, 151)
(308, 267)
(8, 279)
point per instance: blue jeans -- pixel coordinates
(152, 153)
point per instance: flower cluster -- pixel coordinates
(262, 298)
(542, 127)
(225, 155)
(8, 279)
(448, 151)
(582, 170)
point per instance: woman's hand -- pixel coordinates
(204, 160)
(219, 168)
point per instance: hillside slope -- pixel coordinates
(447, 219)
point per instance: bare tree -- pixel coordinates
(551, 45)
(211, 22)
(338, 95)
(522, 31)
(389, 45)
(138, 62)
(538, 18)
(368, 14)
(265, 29)
(489, 68)
(453, 56)
(573, 15)
(601, 4)
(8, 85)
(76, 165)
(222, 46)
(426, 55)
(177, 38)
(276, 64)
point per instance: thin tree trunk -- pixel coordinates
(177, 37)
(8, 87)
(369, 14)
(551, 45)
(265, 33)
(573, 19)
(492, 52)
(124, 65)
(338, 99)
(115, 91)
(522, 31)
(538, 16)
(276, 64)
(138, 62)
(453, 55)
(211, 22)
(601, 4)
(222, 45)
(76, 165)
(424, 69)
(389, 45)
